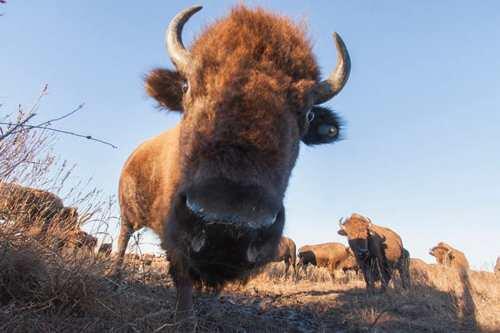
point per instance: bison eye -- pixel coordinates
(185, 87)
(328, 130)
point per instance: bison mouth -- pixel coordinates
(216, 249)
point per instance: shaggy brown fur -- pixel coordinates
(449, 256)
(329, 255)
(378, 250)
(287, 252)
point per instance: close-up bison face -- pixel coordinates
(356, 229)
(245, 108)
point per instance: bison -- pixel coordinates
(32, 208)
(447, 255)
(349, 263)
(378, 251)
(419, 270)
(328, 255)
(212, 187)
(497, 266)
(287, 252)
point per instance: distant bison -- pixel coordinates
(213, 186)
(497, 266)
(378, 250)
(447, 255)
(349, 263)
(328, 255)
(287, 252)
(34, 208)
(419, 269)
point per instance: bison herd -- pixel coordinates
(373, 250)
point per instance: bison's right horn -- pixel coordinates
(173, 38)
(340, 223)
(330, 87)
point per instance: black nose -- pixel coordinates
(362, 253)
(220, 201)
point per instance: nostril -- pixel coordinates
(269, 220)
(210, 213)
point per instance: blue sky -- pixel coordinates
(421, 108)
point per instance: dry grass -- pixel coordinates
(44, 291)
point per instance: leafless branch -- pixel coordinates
(49, 122)
(15, 126)
(22, 122)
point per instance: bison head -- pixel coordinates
(443, 253)
(357, 230)
(248, 91)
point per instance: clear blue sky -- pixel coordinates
(422, 106)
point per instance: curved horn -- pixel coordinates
(330, 87)
(340, 223)
(173, 39)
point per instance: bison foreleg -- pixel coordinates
(287, 266)
(184, 313)
(385, 274)
(404, 272)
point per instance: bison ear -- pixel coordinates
(341, 232)
(166, 87)
(323, 128)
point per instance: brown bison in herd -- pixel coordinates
(287, 252)
(333, 256)
(449, 256)
(212, 187)
(378, 251)
(37, 212)
(28, 206)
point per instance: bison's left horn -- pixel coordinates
(173, 38)
(330, 87)
(340, 223)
